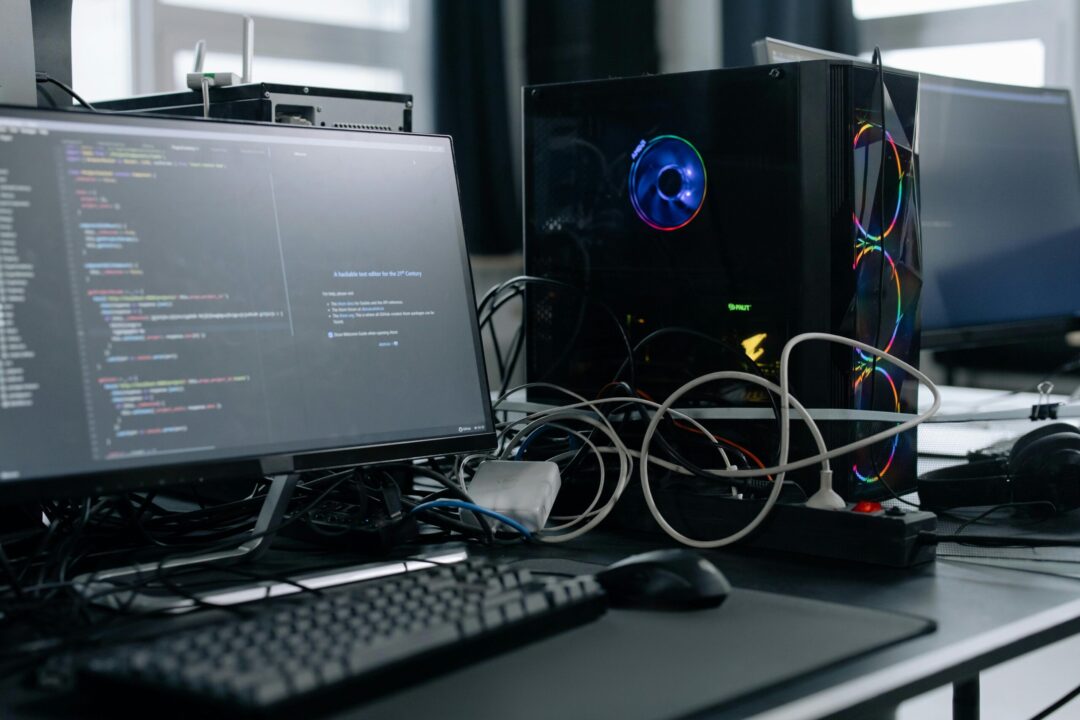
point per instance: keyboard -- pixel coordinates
(317, 652)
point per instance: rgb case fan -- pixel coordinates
(718, 214)
(667, 182)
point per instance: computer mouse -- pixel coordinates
(672, 579)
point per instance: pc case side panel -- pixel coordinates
(673, 202)
(885, 259)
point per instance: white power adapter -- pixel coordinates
(523, 491)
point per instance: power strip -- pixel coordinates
(892, 536)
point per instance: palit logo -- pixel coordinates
(667, 182)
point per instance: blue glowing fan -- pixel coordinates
(667, 182)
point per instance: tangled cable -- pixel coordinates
(514, 434)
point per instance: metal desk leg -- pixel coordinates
(965, 699)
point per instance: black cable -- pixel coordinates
(276, 577)
(524, 280)
(516, 346)
(50, 531)
(69, 526)
(488, 321)
(1003, 506)
(746, 362)
(269, 533)
(997, 541)
(450, 486)
(662, 441)
(46, 78)
(495, 347)
(9, 571)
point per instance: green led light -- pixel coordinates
(738, 307)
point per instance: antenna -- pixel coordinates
(200, 56)
(249, 48)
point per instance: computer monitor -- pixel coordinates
(192, 300)
(1000, 207)
(1001, 212)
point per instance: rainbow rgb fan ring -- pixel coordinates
(899, 189)
(866, 243)
(667, 182)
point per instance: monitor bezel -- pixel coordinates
(257, 465)
(1006, 332)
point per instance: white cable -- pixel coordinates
(620, 401)
(866, 441)
(778, 482)
(787, 401)
(464, 462)
(785, 408)
(546, 416)
(204, 83)
(603, 426)
(624, 479)
(659, 462)
(845, 449)
(599, 460)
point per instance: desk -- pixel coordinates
(985, 615)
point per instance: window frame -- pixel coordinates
(160, 30)
(1055, 22)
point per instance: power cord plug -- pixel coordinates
(826, 498)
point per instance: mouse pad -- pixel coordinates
(652, 664)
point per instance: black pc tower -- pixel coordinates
(731, 210)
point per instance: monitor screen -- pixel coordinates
(181, 299)
(1000, 207)
(1000, 191)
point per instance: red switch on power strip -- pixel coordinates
(866, 506)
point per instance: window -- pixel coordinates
(1022, 42)
(126, 47)
(865, 9)
(1014, 62)
(295, 72)
(97, 24)
(390, 15)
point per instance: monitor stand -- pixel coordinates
(102, 588)
(109, 588)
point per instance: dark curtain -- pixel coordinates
(471, 106)
(588, 39)
(824, 24)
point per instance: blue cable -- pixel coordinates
(462, 505)
(529, 438)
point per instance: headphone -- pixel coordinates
(1042, 465)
